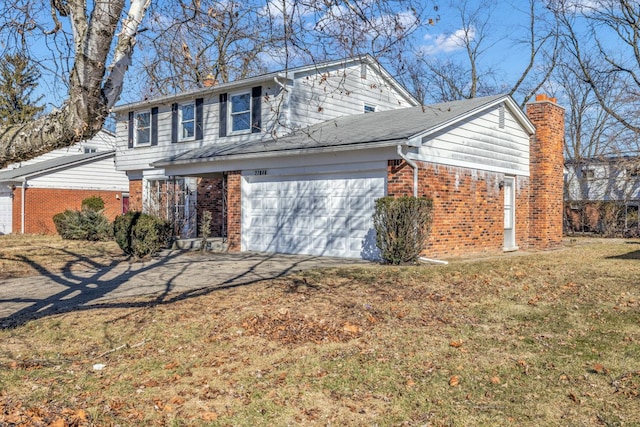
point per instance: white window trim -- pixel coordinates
(181, 138)
(135, 129)
(230, 113)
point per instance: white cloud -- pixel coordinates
(448, 42)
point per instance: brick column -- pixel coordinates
(546, 172)
(135, 195)
(234, 214)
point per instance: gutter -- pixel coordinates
(414, 165)
(277, 153)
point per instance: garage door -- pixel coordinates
(327, 215)
(5, 212)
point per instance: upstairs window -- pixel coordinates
(369, 109)
(88, 150)
(588, 173)
(240, 114)
(187, 119)
(142, 128)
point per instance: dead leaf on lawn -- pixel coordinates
(454, 380)
(208, 416)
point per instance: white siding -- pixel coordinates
(97, 175)
(140, 158)
(480, 143)
(310, 97)
(103, 141)
(609, 182)
(340, 91)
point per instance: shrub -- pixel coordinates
(402, 226)
(94, 203)
(86, 224)
(139, 234)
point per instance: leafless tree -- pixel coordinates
(602, 36)
(91, 34)
(89, 46)
(451, 79)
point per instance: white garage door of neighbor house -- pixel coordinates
(328, 215)
(6, 203)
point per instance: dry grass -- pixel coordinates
(27, 255)
(549, 339)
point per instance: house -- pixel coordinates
(32, 192)
(293, 162)
(602, 195)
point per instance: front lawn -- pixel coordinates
(551, 339)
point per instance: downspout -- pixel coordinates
(22, 203)
(413, 165)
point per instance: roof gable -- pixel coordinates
(51, 165)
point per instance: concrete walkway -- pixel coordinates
(174, 275)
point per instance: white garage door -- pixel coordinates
(326, 215)
(5, 212)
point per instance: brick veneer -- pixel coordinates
(135, 195)
(546, 154)
(468, 214)
(210, 196)
(41, 204)
(234, 213)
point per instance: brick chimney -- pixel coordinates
(546, 172)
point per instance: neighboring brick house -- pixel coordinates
(494, 172)
(32, 192)
(602, 195)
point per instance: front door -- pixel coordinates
(509, 214)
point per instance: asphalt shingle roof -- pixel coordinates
(51, 164)
(392, 127)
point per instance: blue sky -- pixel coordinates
(504, 53)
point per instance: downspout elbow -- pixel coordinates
(414, 165)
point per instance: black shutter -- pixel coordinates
(256, 109)
(154, 126)
(199, 128)
(131, 124)
(174, 123)
(223, 115)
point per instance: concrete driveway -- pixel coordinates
(174, 275)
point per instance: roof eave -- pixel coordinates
(286, 152)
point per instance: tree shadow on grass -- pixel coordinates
(124, 284)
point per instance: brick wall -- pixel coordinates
(234, 214)
(135, 195)
(41, 204)
(210, 196)
(468, 215)
(546, 153)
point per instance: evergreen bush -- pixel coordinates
(402, 227)
(140, 234)
(86, 224)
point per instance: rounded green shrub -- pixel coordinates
(139, 234)
(83, 225)
(93, 203)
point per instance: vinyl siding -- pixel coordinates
(139, 158)
(310, 97)
(97, 175)
(478, 142)
(340, 91)
(609, 183)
